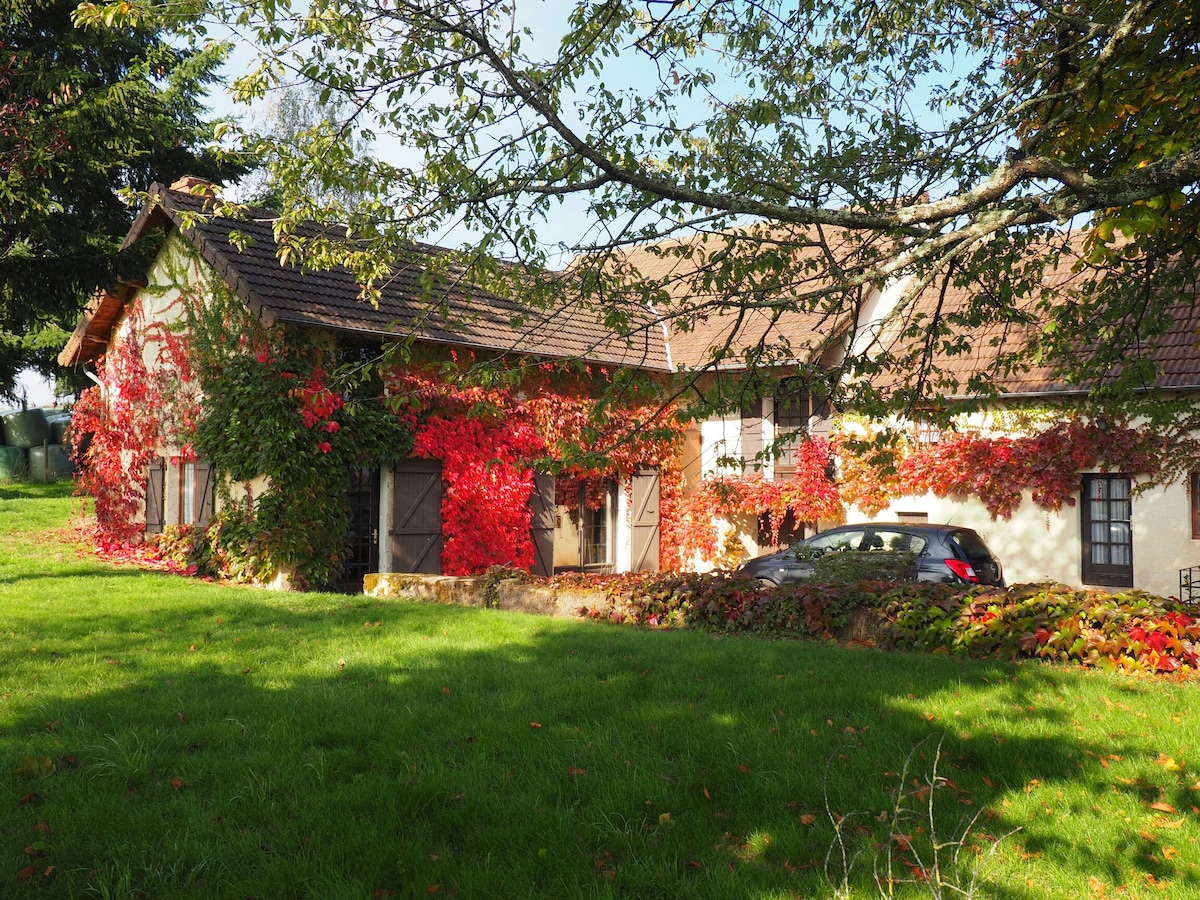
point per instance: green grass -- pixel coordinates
(213, 742)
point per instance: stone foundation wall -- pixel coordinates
(510, 594)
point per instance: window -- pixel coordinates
(596, 528)
(194, 492)
(187, 492)
(928, 432)
(1107, 532)
(898, 541)
(793, 407)
(839, 540)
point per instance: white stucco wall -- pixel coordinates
(1037, 545)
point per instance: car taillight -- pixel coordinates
(963, 570)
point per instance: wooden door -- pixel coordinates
(416, 532)
(646, 524)
(541, 504)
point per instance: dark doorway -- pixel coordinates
(361, 550)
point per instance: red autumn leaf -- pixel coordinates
(445, 690)
(433, 889)
(27, 799)
(27, 872)
(535, 725)
(572, 770)
(177, 783)
(42, 827)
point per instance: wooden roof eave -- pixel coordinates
(90, 339)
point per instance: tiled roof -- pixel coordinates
(1174, 353)
(448, 313)
(764, 308)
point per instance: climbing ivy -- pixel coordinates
(284, 424)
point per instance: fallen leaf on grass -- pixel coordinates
(1160, 806)
(807, 819)
(177, 783)
(572, 770)
(1169, 763)
(535, 725)
(1096, 886)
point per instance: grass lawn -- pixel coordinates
(166, 738)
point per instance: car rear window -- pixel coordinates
(970, 544)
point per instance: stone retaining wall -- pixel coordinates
(509, 593)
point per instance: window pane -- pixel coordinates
(187, 494)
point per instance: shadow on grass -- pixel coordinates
(231, 743)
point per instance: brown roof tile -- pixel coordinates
(787, 309)
(1174, 352)
(450, 313)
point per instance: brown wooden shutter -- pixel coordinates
(417, 517)
(204, 494)
(155, 481)
(646, 521)
(541, 504)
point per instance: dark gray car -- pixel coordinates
(943, 553)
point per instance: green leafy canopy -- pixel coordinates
(942, 141)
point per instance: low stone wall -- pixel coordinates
(511, 594)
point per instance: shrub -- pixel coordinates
(848, 566)
(1131, 631)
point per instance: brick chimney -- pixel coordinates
(192, 184)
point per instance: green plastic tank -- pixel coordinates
(26, 428)
(14, 464)
(49, 463)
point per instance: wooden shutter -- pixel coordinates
(417, 517)
(646, 523)
(752, 435)
(204, 494)
(156, 473)
(541, 504)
